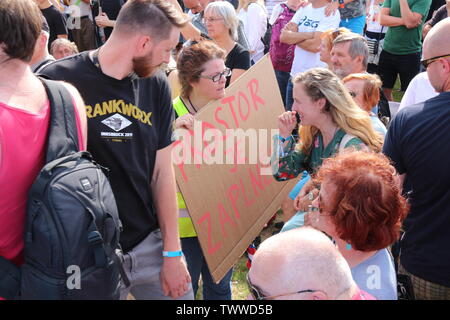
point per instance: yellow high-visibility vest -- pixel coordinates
(185, 225)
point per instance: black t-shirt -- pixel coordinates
(238, 58)
(111, 8)
(56, 23)
(418, 143)
(129, 120)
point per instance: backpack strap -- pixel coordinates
(63, 136)
(9, 280)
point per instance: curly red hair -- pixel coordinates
(367, 208)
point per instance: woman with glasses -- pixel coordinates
(202, 74)
(365, 91)
(361, 208)
(329, 121)
(253, 15)
(221, 22)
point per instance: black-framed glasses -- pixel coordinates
(218, 76)
(427, 62)
(257, 295)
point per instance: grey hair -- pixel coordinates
(358, 46)
(225, 10)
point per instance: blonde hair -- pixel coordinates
(346, 114)
(371, 89)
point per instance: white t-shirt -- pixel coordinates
(419, 90)
(255, 26)
(311, 19)
(371, 19)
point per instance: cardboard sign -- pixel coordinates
(223, 169)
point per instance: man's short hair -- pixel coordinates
(153, 17)
(20, 27)
(358, 46)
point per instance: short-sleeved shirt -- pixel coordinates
(401, 40)
(56, 23)
(309, 19)
(111, 8)
(418, 144)
(238, 58)
(377, 276)
(129, 120)
(293, 162)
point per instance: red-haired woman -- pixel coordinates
(361, 207)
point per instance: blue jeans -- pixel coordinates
(197, 264)
(289, 97)
(282, 79)
(355, 25)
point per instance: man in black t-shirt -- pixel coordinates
(128, 103)
(55, 20)
(418, 143)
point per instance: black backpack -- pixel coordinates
(266, 37)
(72, 225)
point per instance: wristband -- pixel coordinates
(284, 139)
(172, 254)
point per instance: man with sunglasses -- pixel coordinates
(301, 264)
(418, 144)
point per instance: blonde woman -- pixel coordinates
(253, 15)
(330, 121)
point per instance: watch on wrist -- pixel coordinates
(341, 3)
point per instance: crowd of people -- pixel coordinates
(367, 218)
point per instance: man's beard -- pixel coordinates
(142, 66)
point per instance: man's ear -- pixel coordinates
(359, 60)
(319, 295)
(144, 43)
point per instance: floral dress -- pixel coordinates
(288, 163)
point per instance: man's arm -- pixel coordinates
(389, 21)
(290, 36)
(312, 44)
(174, 276)
(189, 31)
(411, 19)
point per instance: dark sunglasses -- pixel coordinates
(427, 62)
(257, 295)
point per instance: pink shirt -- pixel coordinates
(23, 137)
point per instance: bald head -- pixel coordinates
(300, 259)
(437, 44)
(437, 41)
